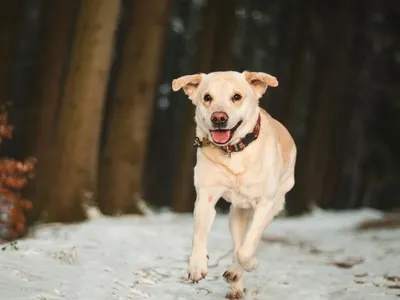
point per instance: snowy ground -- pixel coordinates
(146, 258)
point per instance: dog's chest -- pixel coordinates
(245, 185)
(243, 196)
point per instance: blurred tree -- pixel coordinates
(56, 32)
(78, 129)
(315, 180)
(121, 165)
(10, 20)
(215, 38)
(294, 32)
(162, 152)
(295, 71)
(25, 65)
(225, 18)
(372, 162)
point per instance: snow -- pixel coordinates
(146, 258)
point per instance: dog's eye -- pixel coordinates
(236, 97)
(207, 98)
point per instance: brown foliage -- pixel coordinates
(13, 177)
(347, 263)
(388, 221)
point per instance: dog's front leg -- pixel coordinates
(204, 214)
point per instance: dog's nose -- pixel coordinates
(219, 118)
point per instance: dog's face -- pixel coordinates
(225, 101)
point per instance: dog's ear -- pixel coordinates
(260, 81)
(189, 83)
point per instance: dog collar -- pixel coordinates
(239, 146)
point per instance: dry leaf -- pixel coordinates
(347, 264)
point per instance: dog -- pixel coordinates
(244, 156)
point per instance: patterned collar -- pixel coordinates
(239, 146)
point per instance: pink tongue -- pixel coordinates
(221, 137)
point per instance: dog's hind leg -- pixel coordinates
(238, 222)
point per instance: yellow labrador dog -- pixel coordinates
(244, 156)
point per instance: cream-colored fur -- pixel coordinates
(254, 180)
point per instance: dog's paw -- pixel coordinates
(198, 268)
(246, 261)
(235, 294)
(233, 274)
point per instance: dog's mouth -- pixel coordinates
(223, 136)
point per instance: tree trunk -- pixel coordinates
(121, 165)
(10, 19)
(292, 77)
(209, 51)
(312, 169)
(295, 79)
(161, 153)
(57, 26)
(224, 35)
(78, 131)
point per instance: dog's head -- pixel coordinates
(226, 102)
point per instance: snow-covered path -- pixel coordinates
(146, 258)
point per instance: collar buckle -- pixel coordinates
(197, 142)
(226, 151)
